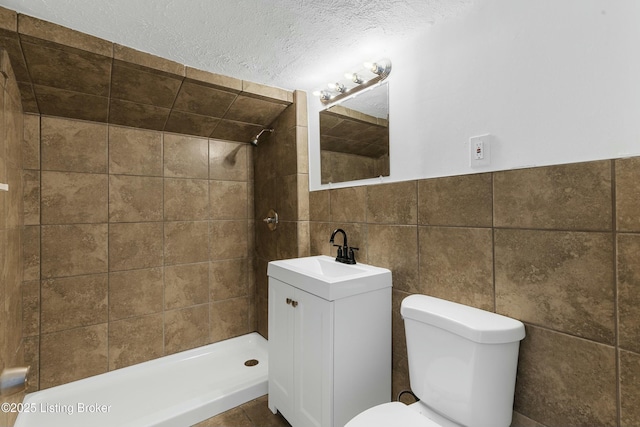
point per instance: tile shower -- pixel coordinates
(556, 246)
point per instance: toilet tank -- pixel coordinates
(462, 360)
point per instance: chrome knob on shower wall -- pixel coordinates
(272, 219)
(13, 380)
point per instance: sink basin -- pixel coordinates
(324, 277)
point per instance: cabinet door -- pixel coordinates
(281, 350)
(313, 360)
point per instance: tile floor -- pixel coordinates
(254, 413)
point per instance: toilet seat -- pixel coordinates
(389, 415)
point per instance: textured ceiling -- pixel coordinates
(292, 44)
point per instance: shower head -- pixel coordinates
(254, 141)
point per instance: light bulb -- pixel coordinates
(338, 87)
(354, 77)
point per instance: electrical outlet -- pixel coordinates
(479, 151)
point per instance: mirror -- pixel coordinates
(354, 137)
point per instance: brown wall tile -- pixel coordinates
(137, 115)
(394, 203)
(456, 264)
(560, 280)
(229, 318)
(628, 265)
(31, 196)
(563, 380)
(228, 200)
(74, 198)
(575, 197)
(72, 355)
(127, 54)
(71, 302)
(135, 293)
(227, 160)
(135, 151)
(135, 198)
(31, 142)
(31, 308)
(186, 328)
(395, 247)
(319, 206)
(228, 239)
(186, 242)
(348, 204)
(186, 199)
(143, 85)
(135, 340)
(185, 157)
(627, 194)
(228, 279)
(135, 245)
(73, 146)
(65, 103)
(71, 250)
(629, 388)
(457, 200)
(31, 253)
(186, 285)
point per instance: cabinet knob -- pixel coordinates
(289, 300)
(294, 303)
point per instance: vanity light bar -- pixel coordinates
(339, 90)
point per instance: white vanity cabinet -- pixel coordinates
(329, 358)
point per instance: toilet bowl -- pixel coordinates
(462, 367)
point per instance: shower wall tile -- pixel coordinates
(227, 161)
(287, 234)
(575, 197)
(135, 151)
(287, 198)
(627, 194)
(65, 103)
(183, 329)
(132, 56)
(202, 99)
(235, 131)
(560, 280)
(135, 293)
(31, 253)
(628, 266)
(31, 197)
(71, 250)
(229, 318)
(135, 198)
(32, 358)
(394, 203)
(248, 109)
(629, 388)
(186, 285)
(185, 157)
(64, 36)
(349, 204)
(228, 239)
(74, 198)
(456, 201)
(8, 19)
(456, 264)
(319, 233)
(193, 124)
(228, 279)
(31, 142)
(564, 380)
(186, 199)
(72, 302)
(73, 146)
(186, 242)
(31, 308)
(137, 115)
(135, 83)
(263, 91)
(214, 80)
(72, 355)
(228, 200)
(135, 245)
(135, 340)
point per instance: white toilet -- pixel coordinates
(462, 367)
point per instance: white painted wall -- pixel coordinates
(554, 81)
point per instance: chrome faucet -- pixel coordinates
(345, 253)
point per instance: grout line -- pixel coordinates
(616, 317)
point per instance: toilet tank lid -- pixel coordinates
(471, 323)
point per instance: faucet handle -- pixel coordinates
(351, 257)
(339, 256)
